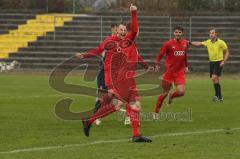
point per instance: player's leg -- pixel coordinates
(180, 88)
(134, 115)
(215, 76)
(180, 91)
(102, 89)
(127, 120)
(217, 87)
(100, 95)
(166, 87)
(214, 80)
(104, 110)
(109, 103)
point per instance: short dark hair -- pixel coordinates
(179, 28)
(114, 25)
(212, 28)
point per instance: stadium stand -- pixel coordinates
(84, 32)
(29, 32)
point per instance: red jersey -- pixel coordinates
(118, 52)
(176, 55)
(140, 60)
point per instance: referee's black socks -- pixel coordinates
(217, 88)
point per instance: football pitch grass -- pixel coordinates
(30, 129)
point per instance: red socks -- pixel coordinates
(106, 99)
(174, 95)
(159, 102)
(135, 121)
(162, 97)
(103, 111)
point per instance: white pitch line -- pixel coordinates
(62, 146)
(113, 141)
(196, 132)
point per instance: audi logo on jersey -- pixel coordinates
(179, 53)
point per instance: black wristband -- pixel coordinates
(189, 42)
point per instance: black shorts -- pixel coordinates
(215, 68)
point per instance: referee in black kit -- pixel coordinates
(218, 54)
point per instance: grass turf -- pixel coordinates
(28, 121)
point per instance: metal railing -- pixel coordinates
(195, 27)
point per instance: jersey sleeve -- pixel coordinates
(142, 62)
(204, 43)
(186, 59)
(134, 26)
(223, 45)
(95, 52)
(162, 51)
(186, 54)
(92, 53)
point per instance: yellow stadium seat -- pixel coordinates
(29, 32)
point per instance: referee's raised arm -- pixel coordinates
(195, 43)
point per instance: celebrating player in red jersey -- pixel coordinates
(175, 51)
(121, 58)
(100, 77)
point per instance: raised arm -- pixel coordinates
(134, 24)
(196, 43)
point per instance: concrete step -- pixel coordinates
(57, 48)
(105, 33)
(98, 28)
(17, 16)
(109, 22)
(120, 18)
(98, 38)
(93, 44)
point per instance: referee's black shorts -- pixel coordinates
(215, 68)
